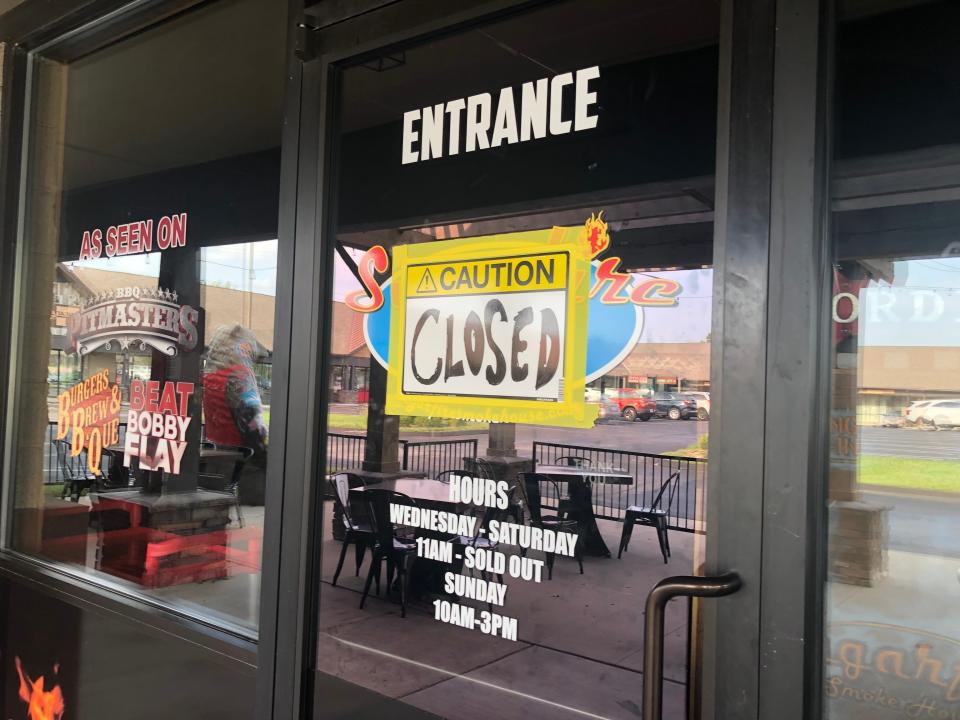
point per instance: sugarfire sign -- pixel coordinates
(492, 328)
(134, 317)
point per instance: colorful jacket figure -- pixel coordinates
(233, 414)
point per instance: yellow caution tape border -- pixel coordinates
(573, 410)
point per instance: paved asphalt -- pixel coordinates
(654, 436)
(921, 524)
(910, 442)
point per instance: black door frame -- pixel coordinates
(768, 355)
(767, 361)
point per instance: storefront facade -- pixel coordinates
(483, 359)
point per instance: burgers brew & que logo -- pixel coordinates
(88, 417)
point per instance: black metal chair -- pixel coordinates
(485, 469)
(73, 471)
(358, 530)
(445, 475)
(485, 516)
(530, 487)
(653, 516)
(481, 539)
(396, 550)
(218, 481)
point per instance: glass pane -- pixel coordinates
(892, 637)
(146, 289)
(523, 295)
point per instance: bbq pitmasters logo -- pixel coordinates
(134, 318)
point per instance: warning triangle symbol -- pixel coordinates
(427, 285)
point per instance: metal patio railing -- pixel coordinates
(434, 456)
(345, 451)
(649, 471)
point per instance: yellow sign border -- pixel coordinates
(573, 410)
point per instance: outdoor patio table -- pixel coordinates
(206, 453)
(119, 475)
(424, 490)
(581, 481)
(425, 577)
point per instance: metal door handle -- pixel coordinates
(664, 591)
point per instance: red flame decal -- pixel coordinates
(41, 704)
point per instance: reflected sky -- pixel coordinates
(242, 266)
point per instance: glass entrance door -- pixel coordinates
(519, 384)
(891, 640)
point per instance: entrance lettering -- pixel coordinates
(479, 122)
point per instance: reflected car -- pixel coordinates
(913, 413)
(633, 404)
(703, 404)
(676, 406)
(942, 413)
(891, 420)
(608, 410)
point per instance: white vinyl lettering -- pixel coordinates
(454, 108)
(478, 122)
(431, 129)
(410, 136)
(559, 126)
(582, 119)
(505, 124)
(533, 110)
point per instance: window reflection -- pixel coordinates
(143, 356)
(630, 489)
(892, 646)
(529, 602)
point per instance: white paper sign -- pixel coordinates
(507, 345)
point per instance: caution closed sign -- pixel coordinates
(491, 328)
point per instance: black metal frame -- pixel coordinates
(768, 352)
(798, 354)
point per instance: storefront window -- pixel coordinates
(145, 299)
(892, 636)
(524, 283)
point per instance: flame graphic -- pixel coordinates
(41, 704)
(595, 233)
